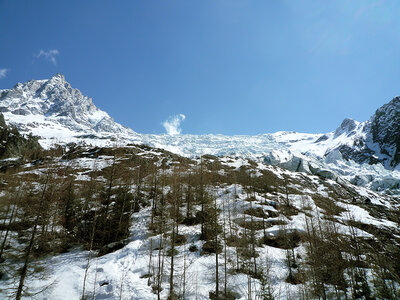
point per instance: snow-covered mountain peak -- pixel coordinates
(58, 78)
(347, 126)
(53, 109)
(49, 97)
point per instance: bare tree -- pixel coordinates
(28, 250)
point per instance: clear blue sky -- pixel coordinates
(232, 67)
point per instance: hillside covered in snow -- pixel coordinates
(142, 223)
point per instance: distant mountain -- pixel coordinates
(374, 141)
(58, 113)
(365, 153)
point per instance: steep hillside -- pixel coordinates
(142, 223)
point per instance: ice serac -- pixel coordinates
(55, 111)
(299, 163)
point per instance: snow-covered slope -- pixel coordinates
(289, 203)
(363, 153)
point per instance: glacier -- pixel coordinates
(60, 114)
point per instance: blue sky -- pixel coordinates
(231, 67)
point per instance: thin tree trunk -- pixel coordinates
(216, 251)
(171, 276)
(28, 250)
(90, 254)
(184, 275)
(225, 258)
(3, 245)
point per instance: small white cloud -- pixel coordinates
(173, 123)
(48, 55)
(3, 73)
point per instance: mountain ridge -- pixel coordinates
(60, 114)
(39, 104)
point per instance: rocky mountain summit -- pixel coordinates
(52, 108)
(374, 141)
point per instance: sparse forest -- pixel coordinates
(248, 231)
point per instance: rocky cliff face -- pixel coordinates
(374, 141)
(385, 130)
